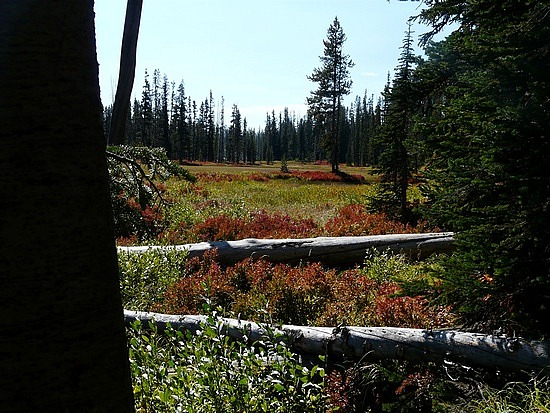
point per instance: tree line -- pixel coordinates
(192, 130)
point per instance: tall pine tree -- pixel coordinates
(333, 82)
(394, 139)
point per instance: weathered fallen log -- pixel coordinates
(337, 251)
(377, 343)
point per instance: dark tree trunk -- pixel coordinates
(126, 75)
(62, 338)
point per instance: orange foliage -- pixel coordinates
(259, 225)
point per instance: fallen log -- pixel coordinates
(376, 343)
(335, 251)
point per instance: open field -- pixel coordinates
(276, 168)
(234, 202)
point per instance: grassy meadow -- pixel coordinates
(239, 192)
(234, 202)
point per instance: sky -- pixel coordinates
(257, 54)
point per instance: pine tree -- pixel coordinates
(193, 147)
(491, 160)
(270, 137)
(252, 147)
(222, 134)
(147, 121)
(394, 139)
(107, 115)
(165, 117)
(235, 136)
(210, 129)
(137, 123)
(333, 79)
(182, 133)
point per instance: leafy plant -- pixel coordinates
(355, 220)
(145, 277)
(137, 195)
(177, 371)
(308, 294)
(258, 224)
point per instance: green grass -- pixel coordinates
(276, 168)
(516, 397)
(299, 199)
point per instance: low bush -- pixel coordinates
(321, 176)
(258, 225)
(312, 176)
(351, 220)
(145, 277)
(202, 280)
(177, 371)
(308, 294)
(355, 220)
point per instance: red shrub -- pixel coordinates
(308, 294)
(354, 220)
(292, 295)
(338, 389)
(263, 225)
(127, 241)
(328, 176)
(204, 280)
(258, 177)
(218, 177)
(219, 228)
(360, 300)
(258, 225)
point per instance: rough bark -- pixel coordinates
(337, 251)
(62, 337)
(375, 343)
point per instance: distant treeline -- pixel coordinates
(201, 131)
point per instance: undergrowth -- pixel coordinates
(175, 371)
(180, 371)
(308, 294)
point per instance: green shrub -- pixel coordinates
(137, 193)
(145, 277)
(177, 371)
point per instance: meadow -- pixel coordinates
(176, 371)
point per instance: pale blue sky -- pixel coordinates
(254, 53)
